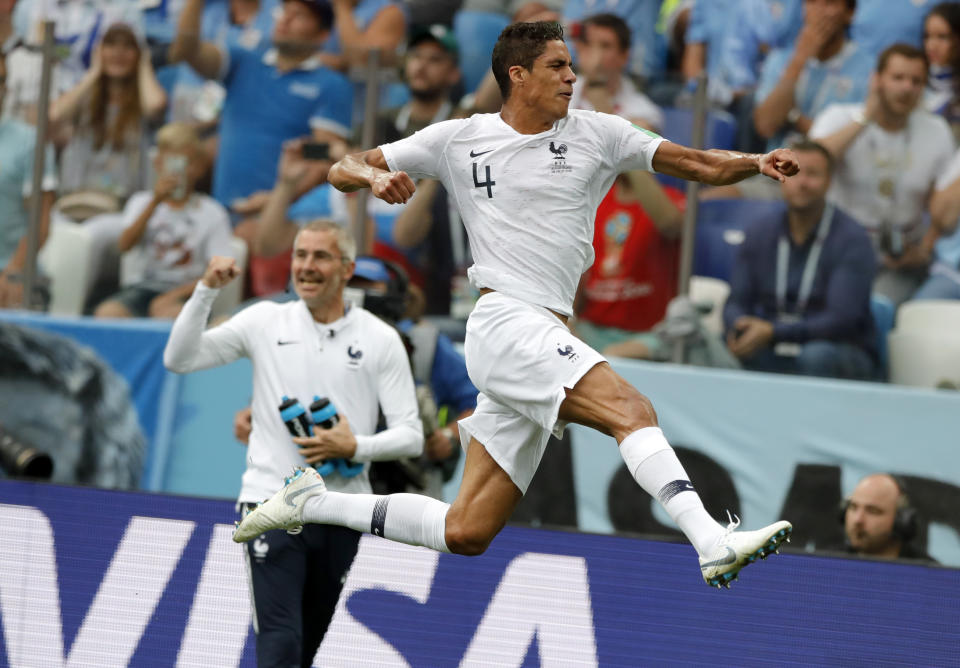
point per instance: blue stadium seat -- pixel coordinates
(476, 33)
(884, 312)
(721, 225)
(678, 127)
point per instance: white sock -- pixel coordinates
(654, 465)
(413, 519)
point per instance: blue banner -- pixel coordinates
(101, 578)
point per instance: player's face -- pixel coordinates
(318, 269)
(808, 188)
(429, 70)
(549, 85)
(901, 84)
(870, 514)
(939, 42)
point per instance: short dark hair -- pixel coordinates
(322, 10)
(901, 49)
(612, 22)
(810, 146)
(521, 44)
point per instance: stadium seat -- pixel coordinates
(67, 258)
(721, 226)
(712, 291)
(931, 316)
(924, 347)
(476, 33)
(883, 312)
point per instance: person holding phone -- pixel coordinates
(173, 230)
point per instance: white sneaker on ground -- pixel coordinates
(736, 549)
(283, 510)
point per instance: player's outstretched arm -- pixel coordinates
(720, 168)
(369, 170)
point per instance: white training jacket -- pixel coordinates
(359, 362)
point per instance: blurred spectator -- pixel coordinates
(430, 12)
(710, 22)
(17, 144)
(173, 230)
(879, 24)
(941, 43)
(648, 55)
(760, 27)
(103, 121)
(800, 291)
(822, 67)
(944, 279)
(78, 27)
(361, 26)
(879, 522)
(273, 94)
(634, 274)
(890, 152)
(244, 24)
(603, 47)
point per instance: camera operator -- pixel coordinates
(318, 345)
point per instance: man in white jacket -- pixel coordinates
(317, 346)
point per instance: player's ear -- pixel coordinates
(518, 74)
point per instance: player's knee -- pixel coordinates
(640, 412)
(467, 540)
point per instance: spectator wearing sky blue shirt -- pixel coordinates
(761, 26)
(710, 22)
(822, 67)
(273, 95)
(17, 141)
(880, 23)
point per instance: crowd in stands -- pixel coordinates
(179, 128)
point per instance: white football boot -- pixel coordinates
(283, 510)
(736, 549)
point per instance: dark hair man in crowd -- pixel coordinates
(800, 291)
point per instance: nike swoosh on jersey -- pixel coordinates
(474, 155)
(730, 558)
(281, 342)
(290, 497)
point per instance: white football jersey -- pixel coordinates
(528, 201)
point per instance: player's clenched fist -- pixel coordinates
(220, 271)
(393, 187)
(779, 164)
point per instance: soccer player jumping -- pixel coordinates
(527, 182)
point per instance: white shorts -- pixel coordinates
(520, 357)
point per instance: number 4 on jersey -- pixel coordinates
(488, 184)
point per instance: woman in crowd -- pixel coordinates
(102, 125)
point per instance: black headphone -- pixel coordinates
(905, 520)
(392, 304)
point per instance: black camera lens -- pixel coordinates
(20, 460)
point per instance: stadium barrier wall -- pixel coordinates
(760, 445)
(105, 578)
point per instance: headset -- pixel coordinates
(905, 520)
(391, 304)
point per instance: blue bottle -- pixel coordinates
(325, 416)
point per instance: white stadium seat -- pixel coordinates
(924, 347)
